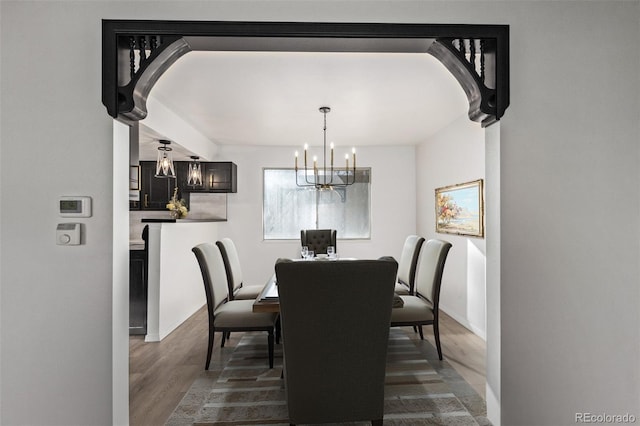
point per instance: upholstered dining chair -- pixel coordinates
(318, 239)
(405, 284)
(422, 308)
(228, 315)
(338, 375)
(237, 289)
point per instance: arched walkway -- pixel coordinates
(136, 53)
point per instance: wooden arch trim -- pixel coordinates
(136, 53)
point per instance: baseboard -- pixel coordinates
(168, 330)
(464, 322)
(155, 337)
(178, 322)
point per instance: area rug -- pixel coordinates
(419, 389)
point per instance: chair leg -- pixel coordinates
(224, 337)
(436, 333)
(376, 422)
(210, 347)
(270, 344)
(278, 330)
(415, 328)
(421, 334)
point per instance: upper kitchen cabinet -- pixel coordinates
(154, 192)
(218, 176)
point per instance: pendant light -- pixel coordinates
(194, 177)
(164, 164)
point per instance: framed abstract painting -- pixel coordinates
(460, 209)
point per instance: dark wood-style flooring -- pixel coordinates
(160, 373)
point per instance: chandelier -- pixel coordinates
(164, 163)
(323, 178)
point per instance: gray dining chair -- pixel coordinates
(237, 289)
(318, 239)
(337, 375)
(405, 284)
(422, 308)
(228, 315)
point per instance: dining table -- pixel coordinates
(268, 301)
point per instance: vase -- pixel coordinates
(173, 214)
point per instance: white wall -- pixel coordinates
(454, 155)
(570, 214)
(493, 265)
(570, 209)
(56, 361)
(393, 211)
(120, 287)
(175, 290)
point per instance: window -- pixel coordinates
(288, 208)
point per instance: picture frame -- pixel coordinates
(460, 209)
(134, 178)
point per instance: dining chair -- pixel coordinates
(237, 289)
(338, 375)
(228, 315)
(422, 308)
(318, 239)
(405, 284)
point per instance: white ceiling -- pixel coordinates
(272, 98)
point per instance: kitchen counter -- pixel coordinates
(139, 244)
(155, 220)
(175, 289)
(136, 245)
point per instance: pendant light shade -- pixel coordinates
(194, 177)
(164, 164)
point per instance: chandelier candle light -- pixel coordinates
(326, 180)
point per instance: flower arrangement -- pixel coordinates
(176, 207)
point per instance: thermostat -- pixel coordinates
(75, 206)
(68, 234)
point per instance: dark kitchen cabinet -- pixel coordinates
(222, 177)
(154, 192)
(217, 176)
(182, 173)
(137, 292)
